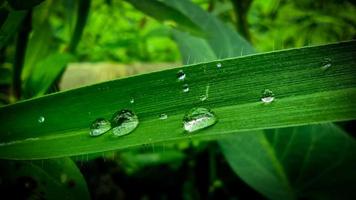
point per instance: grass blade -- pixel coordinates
(302, 90)
(10, 26)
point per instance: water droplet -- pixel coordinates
(267, 96)
(198, 118)
(132, 100)
(180, 75)
(99, 127)
(326, 64)
(41, 119)
(218, 65)
(203, 97)
(163, 116)
(124, 122)
(185, 88)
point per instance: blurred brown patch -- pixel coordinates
(81, 74)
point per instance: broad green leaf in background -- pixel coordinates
(166, 14)
(42, 179)
(45, 72)
(10, 26)
(220, 37)
(315, 162)
(233, 91)
(193, 49)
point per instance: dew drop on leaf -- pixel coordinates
(163, 116)
(180, 75)
(185, 88)
(132, 100)
(326, 64)
(41, 119)
(99, 127)
(267, 96)
(198, 118)
(124, 122)
(203, 97)
(218, 65)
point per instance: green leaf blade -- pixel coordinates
(234, 91)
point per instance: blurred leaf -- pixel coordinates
(45, 72)
(39, 47)
(5, 76)
(313, 162)
(171, 16)
(42, 179)
(193, 49)
(10, 26)
(134, 161)
(82, 15)
(23, 4)
(224, 41)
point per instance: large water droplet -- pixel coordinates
(185, 88)
(163, 116)
(180, 75)
(99, 127)
(267, 96)
(41, 119)
(218, 65)
(124, 122)
(198, 118)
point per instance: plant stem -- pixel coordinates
(241, 8)
(21, 44)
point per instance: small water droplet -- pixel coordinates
(180, 75)
(326, 64)
(218, 65)
(124, 122)
(198, 118)
(267, 96)
(185, 88)
(132, 100)
(203, 97)
(41, 119)
(99, 127)
(163, 116)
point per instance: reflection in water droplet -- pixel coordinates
(99, 127)
(163, 116)
(326, 64)
(132, 100)
(267, 96)
(218, 65)
(41, 119)
(180, 75)
(198, 118)
(185, 88)
(124, 122)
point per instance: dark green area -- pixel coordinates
(286, 149)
